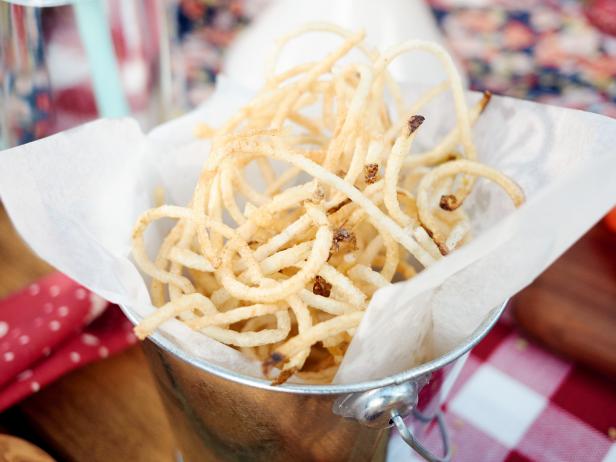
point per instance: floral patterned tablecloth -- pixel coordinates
(545, 50)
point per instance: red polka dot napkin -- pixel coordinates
(50, 328)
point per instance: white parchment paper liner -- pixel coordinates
(74, 198)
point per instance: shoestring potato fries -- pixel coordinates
(288, 282)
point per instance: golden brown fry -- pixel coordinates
(340, 201)
(449, 202)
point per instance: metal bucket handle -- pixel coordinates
(386, 407)
(419, 448)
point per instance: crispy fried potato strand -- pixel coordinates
(346, 208)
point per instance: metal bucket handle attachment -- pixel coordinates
(386, 406)
(419, 448)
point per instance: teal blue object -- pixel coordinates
(96, 38)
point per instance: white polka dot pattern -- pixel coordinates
(90, 340)
(54, 291)
(81, 294)
(25, 375)
(62, 323)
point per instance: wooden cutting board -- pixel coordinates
(14, 449)
(571, 307)
(106, 411)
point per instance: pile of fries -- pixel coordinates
(284, 274)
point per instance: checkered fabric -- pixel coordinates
(516, 402)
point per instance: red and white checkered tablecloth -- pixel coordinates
(516, 402)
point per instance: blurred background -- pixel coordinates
(64, 63)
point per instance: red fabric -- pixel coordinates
(516, 402)
(51, 328)
(602, 13)
(610, 220)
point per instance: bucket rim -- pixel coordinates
(330, 389)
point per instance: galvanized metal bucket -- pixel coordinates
(217, 414)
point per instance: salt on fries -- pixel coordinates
(289, 281)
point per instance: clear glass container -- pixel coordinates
(65, 63)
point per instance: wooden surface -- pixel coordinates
(571, 307)
(106, 411)
(14, 449)
(109, 411)
(18, 265)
